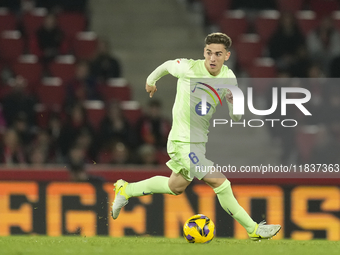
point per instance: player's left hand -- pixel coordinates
(150, 89)
(229, 96)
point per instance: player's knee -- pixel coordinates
(215, 182)
(177, 190)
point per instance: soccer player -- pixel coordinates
(188, 136)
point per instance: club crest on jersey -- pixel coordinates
(198, 108)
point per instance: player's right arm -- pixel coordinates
(177, 68)
(150, 89)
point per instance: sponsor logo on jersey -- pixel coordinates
(198, 108)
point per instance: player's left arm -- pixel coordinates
(229, 98)
(230, 101)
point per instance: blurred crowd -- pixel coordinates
(316, 139)
(311, 56)
(292, 39)
(69, 137)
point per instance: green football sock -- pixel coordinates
(156, 184)
(232, 207)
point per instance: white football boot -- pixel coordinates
(263, 231)
(121, 199)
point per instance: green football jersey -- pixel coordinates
(190, 122)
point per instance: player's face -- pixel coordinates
(215, 55)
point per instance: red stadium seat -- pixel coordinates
(266, 24)
(290, 5)
(72, 23)
(162, 157)
(7, 20)
(63, 67)
(85, 45)
(28, 67)
(336, 19)
(234, 23)
(305, 141)
(132, 111)
(11, 45)
(324, 7)
(33, 20)
(214, 9)
(263, 69)
(116, 88)
(307, 21)
(105, 157)
(95, 110)
(248, 48)
(52, 92)
(5, 90)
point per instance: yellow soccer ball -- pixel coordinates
(199, 229)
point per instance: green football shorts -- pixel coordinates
(188, 159)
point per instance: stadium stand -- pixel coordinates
(33, 20)
(250, 32)
(307, 21)
(7, 20)
(63, 67)
(51, 92)
(116, 88)
(263, 68)
(132, 111)
(85, 45)
(72, 23)
(266, 23)
(305, 141)
(323, 8)
(248, 47)
(214, 9)
(28, 66)
(291, 6)
(95, 111)
(11, 45)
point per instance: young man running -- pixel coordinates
(188, 136)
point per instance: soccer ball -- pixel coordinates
(199, 229)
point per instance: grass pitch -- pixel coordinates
(42, 245)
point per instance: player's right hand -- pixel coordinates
(150, 89)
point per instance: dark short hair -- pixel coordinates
(219, 38)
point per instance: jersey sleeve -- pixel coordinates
(232, 78)
(233, 81)
(177, 68)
